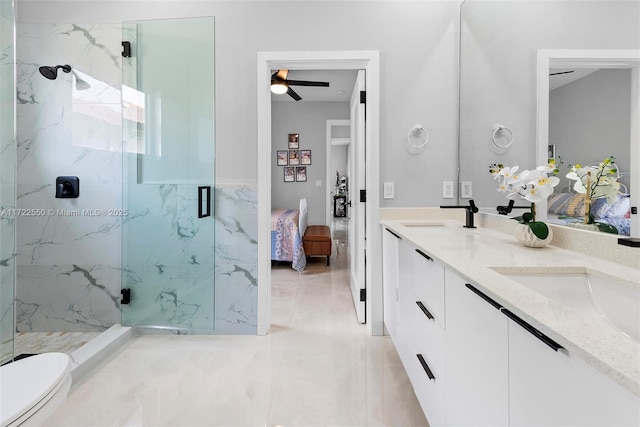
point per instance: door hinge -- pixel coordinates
(126, 296)
(363, 295)
(363, 196)
(363, 97)
(126, 49)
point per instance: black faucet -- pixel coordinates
(506, 210)
(471, 209)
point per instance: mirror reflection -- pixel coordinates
(499, 47)
(589, 138)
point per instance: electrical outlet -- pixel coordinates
(465, 190)
(389, 190)
(447, 189)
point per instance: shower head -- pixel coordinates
(52, 72)
(80, 84)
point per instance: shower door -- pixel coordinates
(7, 179)
(168, 131)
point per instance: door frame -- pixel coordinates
(369, 60)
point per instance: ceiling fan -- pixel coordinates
(561, 72)
(281, 85)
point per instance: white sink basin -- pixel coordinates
(607, 300)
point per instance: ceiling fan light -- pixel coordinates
(279, 88)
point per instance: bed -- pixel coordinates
(565, 208)
(287, 229)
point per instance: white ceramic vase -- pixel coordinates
(525, 236)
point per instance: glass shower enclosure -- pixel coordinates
(7, 179)
(168, 241)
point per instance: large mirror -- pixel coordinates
(588, 111)
(502, 47)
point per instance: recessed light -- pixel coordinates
(340, 91)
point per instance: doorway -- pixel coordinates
(366, 60)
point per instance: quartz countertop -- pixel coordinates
(474, 252)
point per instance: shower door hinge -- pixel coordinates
(363, 295)
(126, 296)
(126, 49)
(363, 196)
(363, 97)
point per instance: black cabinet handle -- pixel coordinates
(426, 367)
(424, 310)
(533, 331)
(483, 296)
(393, 233)
(424, 255)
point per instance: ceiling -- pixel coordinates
(341, 84)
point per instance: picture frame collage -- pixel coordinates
(294, 160)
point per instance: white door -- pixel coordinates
(357, 186)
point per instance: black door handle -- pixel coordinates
(204, 201)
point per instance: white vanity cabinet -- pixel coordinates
(390, 242)
(472, 362)
(477, 356)
(427, 325)
(556, 388)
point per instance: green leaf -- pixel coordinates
(540, 229)
(527, 217)
(607, 228)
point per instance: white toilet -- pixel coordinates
(32, 388)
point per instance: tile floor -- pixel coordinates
(317, 367)
(43, 342)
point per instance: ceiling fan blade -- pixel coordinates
(293, 94)
(282, 74)
(561, 72)
(307, 83)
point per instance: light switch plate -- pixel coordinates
(388, 190)
(466, 190)
(447, 189)
(319, 183)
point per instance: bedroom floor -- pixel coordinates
(317, 367)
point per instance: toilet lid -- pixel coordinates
(23, 384)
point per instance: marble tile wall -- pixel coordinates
(69, 263)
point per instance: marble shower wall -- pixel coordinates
(69, 264)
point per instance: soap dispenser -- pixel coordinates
(67, 187)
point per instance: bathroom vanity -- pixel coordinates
(493, 333)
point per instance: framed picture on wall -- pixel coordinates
(301, 174)
(294, 157)
(305, 157)
(289, 174)
(294, 141)
(282, 157)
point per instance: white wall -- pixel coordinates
(418, 49)
(499, 47)
(589, 120)
(309, 119)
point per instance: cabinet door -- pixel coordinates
(556, 388)
(390, 279)
(477, 358)
(404, 320)
(428, 284)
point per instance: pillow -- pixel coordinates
(621, 208)
(569, 204)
